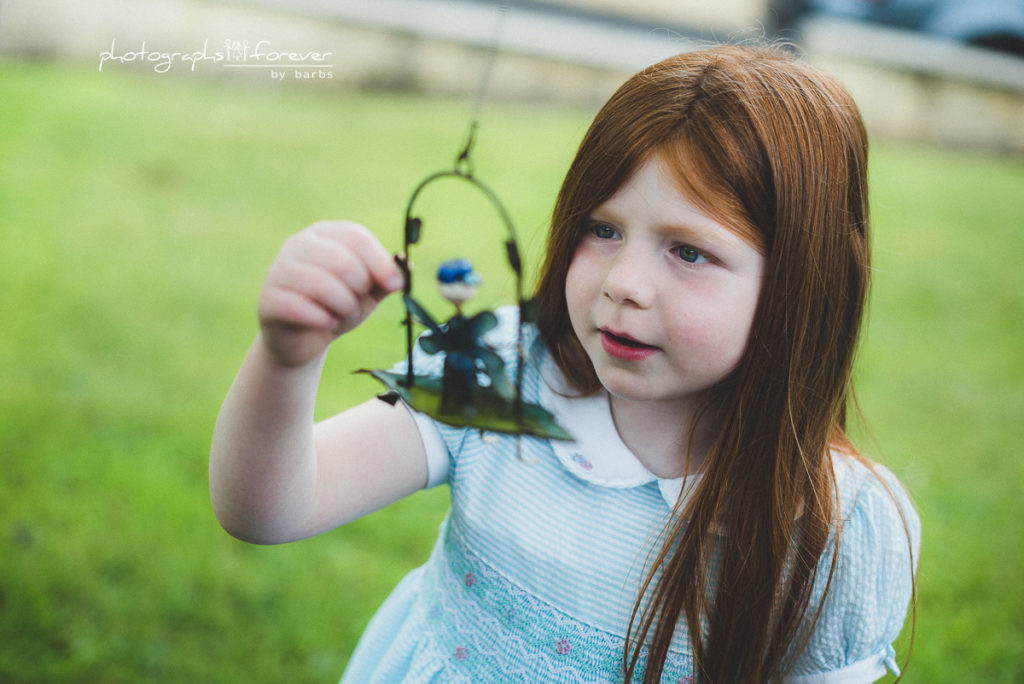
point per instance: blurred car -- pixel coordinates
(993, 24)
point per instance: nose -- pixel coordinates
(629, 279)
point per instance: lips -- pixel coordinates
(623, 347)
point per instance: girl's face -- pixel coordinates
(661, 295)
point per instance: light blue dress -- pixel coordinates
(538, 563)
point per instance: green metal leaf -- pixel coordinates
(490, 411)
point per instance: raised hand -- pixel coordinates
(324, 282)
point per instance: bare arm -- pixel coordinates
(274, 475)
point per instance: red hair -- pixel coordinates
(778, 151)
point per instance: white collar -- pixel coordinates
(598, 455)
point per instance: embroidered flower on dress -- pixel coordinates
(562, 646)
(469, 578)
(461, 653)
(583, 462)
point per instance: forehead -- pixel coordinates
(652, 189)
(677, 194)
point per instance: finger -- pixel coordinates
(379, 263)
(278, 305)
(327, 289)
(333, 248)
(315, 250)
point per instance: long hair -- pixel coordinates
(777, 151)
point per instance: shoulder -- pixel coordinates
(874, 509)
(865, 577)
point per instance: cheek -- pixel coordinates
(578, 286)
(736, 327)
(715, 329)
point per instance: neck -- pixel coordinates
(659, 435)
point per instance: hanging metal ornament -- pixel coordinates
(474, 389)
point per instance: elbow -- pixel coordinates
(247, 525)
(244, 514)
(251, 531)
(242, 532)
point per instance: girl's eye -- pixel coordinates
(691, 255)
(603, 231)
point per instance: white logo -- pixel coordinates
(236, 54)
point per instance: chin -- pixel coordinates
(633, 389)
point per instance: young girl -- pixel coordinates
(699, 305)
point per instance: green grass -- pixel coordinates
(138, 215)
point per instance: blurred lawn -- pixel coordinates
(138, 215)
